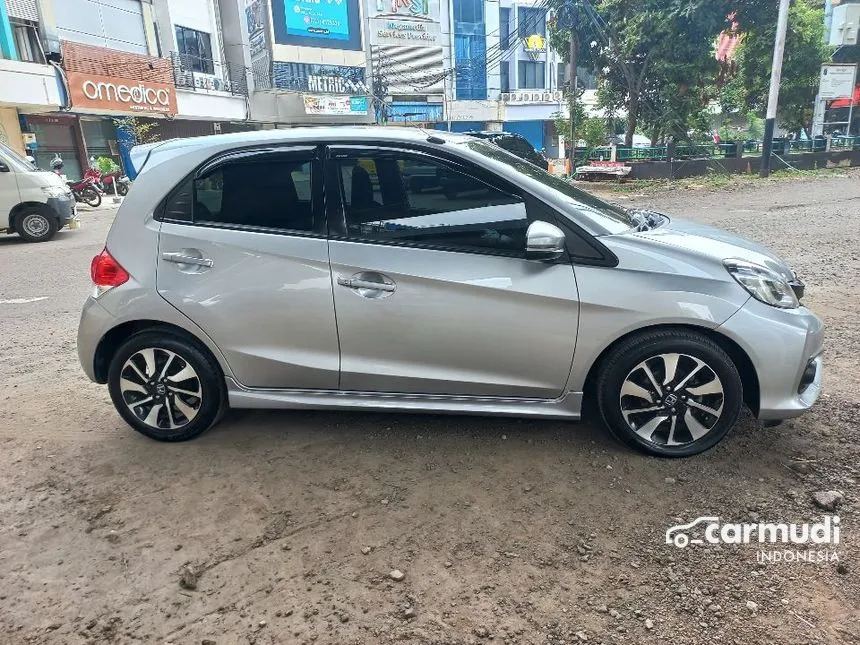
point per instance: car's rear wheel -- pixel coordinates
(165, 387)
(672, 393)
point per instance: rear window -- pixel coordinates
(261, 193)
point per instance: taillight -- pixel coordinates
(106, 273)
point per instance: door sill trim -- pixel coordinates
(568, 406)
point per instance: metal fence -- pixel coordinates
(715, 150)
(204, 74)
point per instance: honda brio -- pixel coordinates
(307, 268)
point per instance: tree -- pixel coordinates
(654, 57)
(805, 51)
(141, 131)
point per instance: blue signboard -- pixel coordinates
(317, 23)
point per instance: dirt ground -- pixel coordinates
(505, 530)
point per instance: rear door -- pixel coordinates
(432, 289)
(243, 254)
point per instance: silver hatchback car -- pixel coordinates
(400, 269)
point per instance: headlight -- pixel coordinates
(763, 284)
(55, 191)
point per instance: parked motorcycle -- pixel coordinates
(85, 191)
(106, 182)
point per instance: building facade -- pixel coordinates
(28, 83)
(198, 67)
(159, 60)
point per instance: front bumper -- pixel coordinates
(64, 207)
(782, 344)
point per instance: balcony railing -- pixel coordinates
(204, 74)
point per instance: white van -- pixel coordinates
(33, 203)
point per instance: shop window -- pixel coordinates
(195, 50)
(531, 21)
(530, 75)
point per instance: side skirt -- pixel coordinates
(568, 406)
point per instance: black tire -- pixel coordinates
(36, 225)
(91, 197)
(121, 188)
(173, 420)
(623, 368)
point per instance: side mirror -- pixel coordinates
(3, 167)
(544, 241)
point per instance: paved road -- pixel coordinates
(529, 532)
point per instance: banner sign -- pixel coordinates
(405, 22)
(335, 105)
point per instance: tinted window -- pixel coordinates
(270, 193)
(412, 199)
(266, 192)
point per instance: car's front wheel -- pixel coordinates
(37, 225)
(672, 393)
(165, 387)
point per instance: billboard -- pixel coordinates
(255, 25)
(405, 22)
(335, 24)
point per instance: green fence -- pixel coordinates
(714, 150)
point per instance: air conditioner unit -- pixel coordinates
(844, 27)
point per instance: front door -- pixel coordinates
(432, 291)
(243, 254)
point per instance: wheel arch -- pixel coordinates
(116, 336)
(19, 209)
(742, 361)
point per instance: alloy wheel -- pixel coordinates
(161, 388)
(672, 399)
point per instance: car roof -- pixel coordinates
(301, 135)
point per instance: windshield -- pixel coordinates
(613, 218)
(15, 160)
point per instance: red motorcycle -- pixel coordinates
(106, 183)
(85, 191)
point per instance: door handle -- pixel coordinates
(181, 258)
(354, 283)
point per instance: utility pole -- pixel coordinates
(775, 78)
(571, 79)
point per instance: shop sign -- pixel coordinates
(120, 94)
(335, 105)
(320, 79)
(534, 45)
(405, 22)
(531, 98)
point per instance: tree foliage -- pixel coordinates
(655, 59)
(142, 131)
(805, 50)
